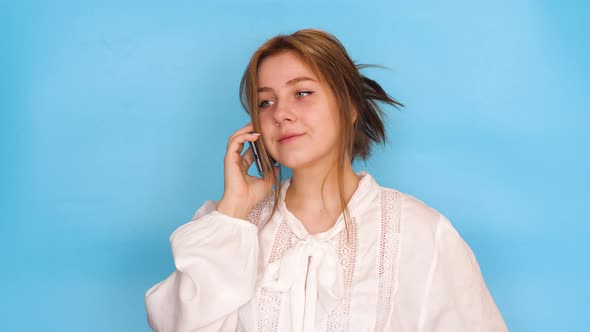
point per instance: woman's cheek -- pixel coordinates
(265, 121)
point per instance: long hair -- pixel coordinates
(328, 60)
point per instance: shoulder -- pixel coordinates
(424, 232)
(415, 217)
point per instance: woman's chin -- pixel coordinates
(297, 164)
(291, 164)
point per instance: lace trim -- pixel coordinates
(339, 318)
(389, 245)
(255, 215)
(269, 302)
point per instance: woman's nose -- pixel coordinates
(283, 112)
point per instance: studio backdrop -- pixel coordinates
(114, 119)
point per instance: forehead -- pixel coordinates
(279, 68)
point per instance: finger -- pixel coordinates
(248, 157)
(236, 144)
(244, 162)
(249, 127)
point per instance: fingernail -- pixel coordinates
(255, 134)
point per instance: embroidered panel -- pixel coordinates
(339, 318)
(388, 256)
(255, 216)
(269, 302)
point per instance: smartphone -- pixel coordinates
(256, 152)
(254, 147)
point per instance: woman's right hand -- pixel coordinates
(241, 191)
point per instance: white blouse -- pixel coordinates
(400, 267)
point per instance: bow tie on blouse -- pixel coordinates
(324, 276)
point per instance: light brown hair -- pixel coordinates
(328, 60)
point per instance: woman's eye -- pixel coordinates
(265, 103)
(303, 93)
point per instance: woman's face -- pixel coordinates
(298, 115)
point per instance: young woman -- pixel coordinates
(328, 249)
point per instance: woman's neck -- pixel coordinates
(307, 189)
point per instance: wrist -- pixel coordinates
(232, 209)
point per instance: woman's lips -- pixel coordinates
(289, 138)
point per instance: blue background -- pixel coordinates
(114, 120)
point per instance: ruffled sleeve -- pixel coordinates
(216, 259)
(457, 298)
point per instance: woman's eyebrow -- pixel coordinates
(289, 82)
